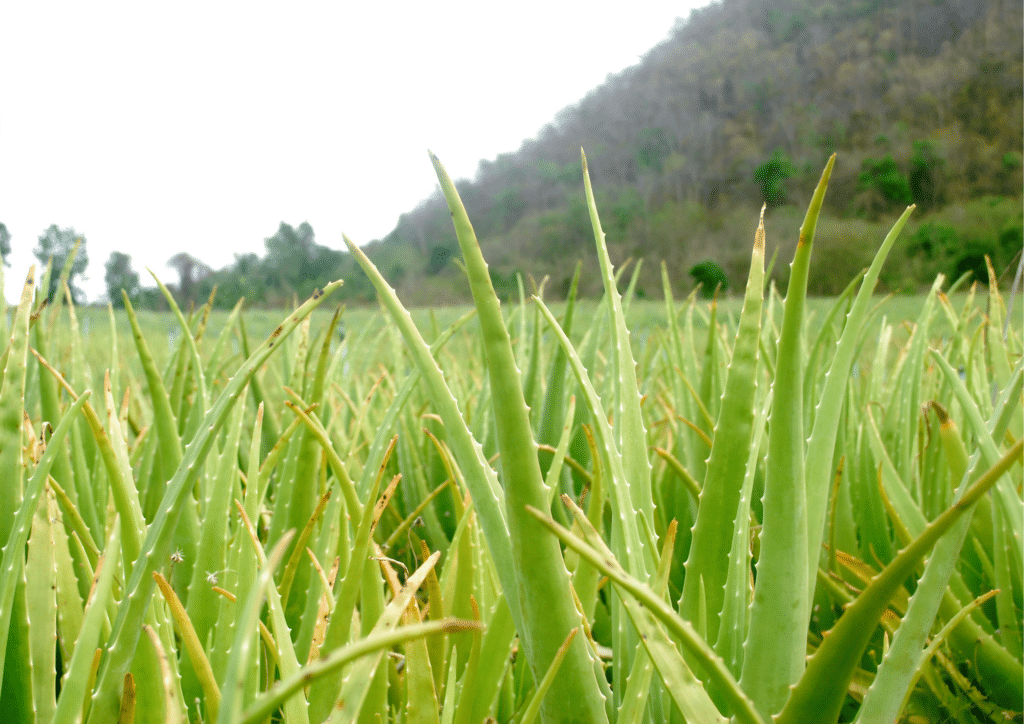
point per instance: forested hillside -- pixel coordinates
(742, 104)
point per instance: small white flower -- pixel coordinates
(211, 576)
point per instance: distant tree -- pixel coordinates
(925, 174)
(61, 245)
(296, 264)
(884, 176)
(5, 244)
(771, 175)
(190, 270)
(120, 275)
(288, 253)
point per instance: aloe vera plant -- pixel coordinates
(475, 529)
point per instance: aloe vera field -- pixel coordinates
(769, 509)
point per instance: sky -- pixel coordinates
(155, 128)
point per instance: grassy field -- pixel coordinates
(792, 510)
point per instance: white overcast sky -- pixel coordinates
(154, 128)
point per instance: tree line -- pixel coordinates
(293, 266)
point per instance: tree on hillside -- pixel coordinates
(63, 245)
(190, 270)
(295, 263)
(120, 276)
(5, 244)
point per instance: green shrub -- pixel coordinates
(710, 277)
(884, 176)
(925, 166)
(771, 175)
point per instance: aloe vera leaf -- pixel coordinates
(552, 410)
(302, 494)
(531, 372)
(296, 709)
(421, 696)
(12, 397)
(629, 425)
(622, 507)
(220, 345)
(163, 416)
(553, 477)
(597, 553)
(413, 470)
(319, 436)
(638, 695)
(1004, 422)
(499, 633)
(907, 394)
(532, 709)
(708, 391)
(322, 693)
(998, 354)
(458, 581)
(733, 622)
(189, 342)
(480, 477)
(776, 645)
(200, 668)
(243, 648)
(271, 422)
(172, 710)
(41, 604)
(936, 642)
(819, 695)
(448, 707)
(114, 450)
(402, 529)
(895, 674)
(826, 335)
(14, 547)
(359, 677)
(470, 672)
(298, 550)
(1005, 495)
(73, 690)
(724, 482)
(322, 545)
(1007, 581)
(156, 548)
(71, 574)
(627, 528)
(115, 460)
(548, 611)
(268, 702)
(210, 565)
(437, 646)
(49, 404)
(244, 562)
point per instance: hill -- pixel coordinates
(742, 104)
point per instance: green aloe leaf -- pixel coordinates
(819, 695)
(776, 646)
(156, 547)
(717, 513)
(675, 668)
(14, 547)
(548, 610)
